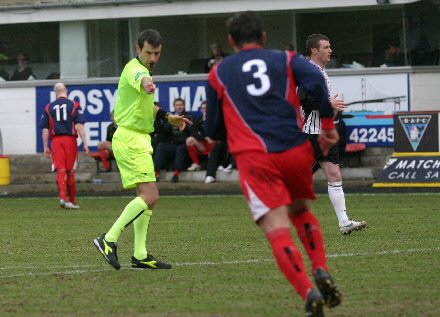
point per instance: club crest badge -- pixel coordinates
(415, 127)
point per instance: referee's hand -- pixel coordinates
(179, 121)
(327, 139)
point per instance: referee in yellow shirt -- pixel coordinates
(134, 114)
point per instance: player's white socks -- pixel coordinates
(337, 197)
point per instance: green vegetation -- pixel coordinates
(222, 263)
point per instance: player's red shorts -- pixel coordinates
(64, 152)
(271, 180)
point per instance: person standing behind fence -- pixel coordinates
(63, 120)
(252, 95)
(318, 46)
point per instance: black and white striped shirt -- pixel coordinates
(312, 121)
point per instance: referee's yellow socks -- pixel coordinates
(140, 234)
(132, 211)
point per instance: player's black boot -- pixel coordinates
(328, 288)
(314, 304)
(108, 250)
(149, 263)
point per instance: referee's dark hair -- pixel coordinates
(152, 37)
(313, 41)
(245, 27)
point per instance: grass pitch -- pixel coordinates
(223, 265)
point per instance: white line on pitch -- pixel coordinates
(84, 268)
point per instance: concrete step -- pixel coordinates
(36, 164)
(45, 178)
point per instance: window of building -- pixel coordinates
(40, 41)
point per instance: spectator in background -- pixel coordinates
(172, 143)
(23, 71)
(393, 55)
(105, 147)
(198, 142)
(62, 120)
(217, 56)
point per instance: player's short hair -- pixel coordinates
(313, 41)
(245, 27)
(152, 37)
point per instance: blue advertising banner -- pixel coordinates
(98, 100)
(413, 171)
(370, 128)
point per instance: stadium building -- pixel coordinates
(86, 43)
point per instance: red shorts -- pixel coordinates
(64, 152)
(271, 180)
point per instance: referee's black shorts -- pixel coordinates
(333, 153)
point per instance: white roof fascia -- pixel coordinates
(114, 10)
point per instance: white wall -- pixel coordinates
(425, 91)
(17, 120)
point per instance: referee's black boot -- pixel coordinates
(149, 263)
(108, 251)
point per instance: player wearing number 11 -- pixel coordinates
(252, 96)
(63, 121)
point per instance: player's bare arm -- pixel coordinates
(338, 104)
(82, 134)
(46, 142)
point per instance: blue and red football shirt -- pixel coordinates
(60, 117)
(253, 96)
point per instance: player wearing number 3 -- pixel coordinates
(252, 97)
(63, 121)
(320, 51)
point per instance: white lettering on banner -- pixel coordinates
(104, 126)
(96, 105)
(93, 103)
(111, 97)
(402, 175)
(372, 135)
(426, 164)
(198, 98)
(185, 94)
(92, 134)
(431, 175)
(156, 95)
(79, 95)
(401, 164)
